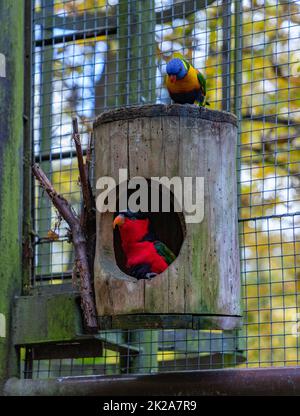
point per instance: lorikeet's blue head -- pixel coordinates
(176, 69)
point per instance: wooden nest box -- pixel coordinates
(201, 288)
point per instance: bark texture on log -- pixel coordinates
(175, 140)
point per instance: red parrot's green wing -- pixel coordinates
(164, 251)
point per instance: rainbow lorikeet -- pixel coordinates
(146, 256)
(186, 85)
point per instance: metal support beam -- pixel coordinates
(44, 208)
(243, 382)
(136, 54)
(226, 54)
(11, 153)
(238, 56)
(107, 25)
(28, 183)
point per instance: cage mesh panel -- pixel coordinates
(91, 55)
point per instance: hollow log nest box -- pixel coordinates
(201, 288)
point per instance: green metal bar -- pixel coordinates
(146, 360)
(109, 24)
(237, 108)
(44, 204)
(237, 104)
(28, 155)
(11, 153)
(136, 35)
(106, 90)
(238, 56)
(226, 55)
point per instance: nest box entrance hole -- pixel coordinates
(168, 227)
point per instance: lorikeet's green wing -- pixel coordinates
(202, 82)
(164, 251)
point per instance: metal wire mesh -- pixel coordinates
(90, 55)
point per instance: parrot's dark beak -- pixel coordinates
(173, 78)
(118, 221)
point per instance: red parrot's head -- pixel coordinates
(133, 226)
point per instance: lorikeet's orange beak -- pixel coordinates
(173, 78)
(119, 220)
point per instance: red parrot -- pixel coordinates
(146, 256)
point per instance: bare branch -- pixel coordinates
(80, 247)
(89, 150)
(81, 167)
(88, 217)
